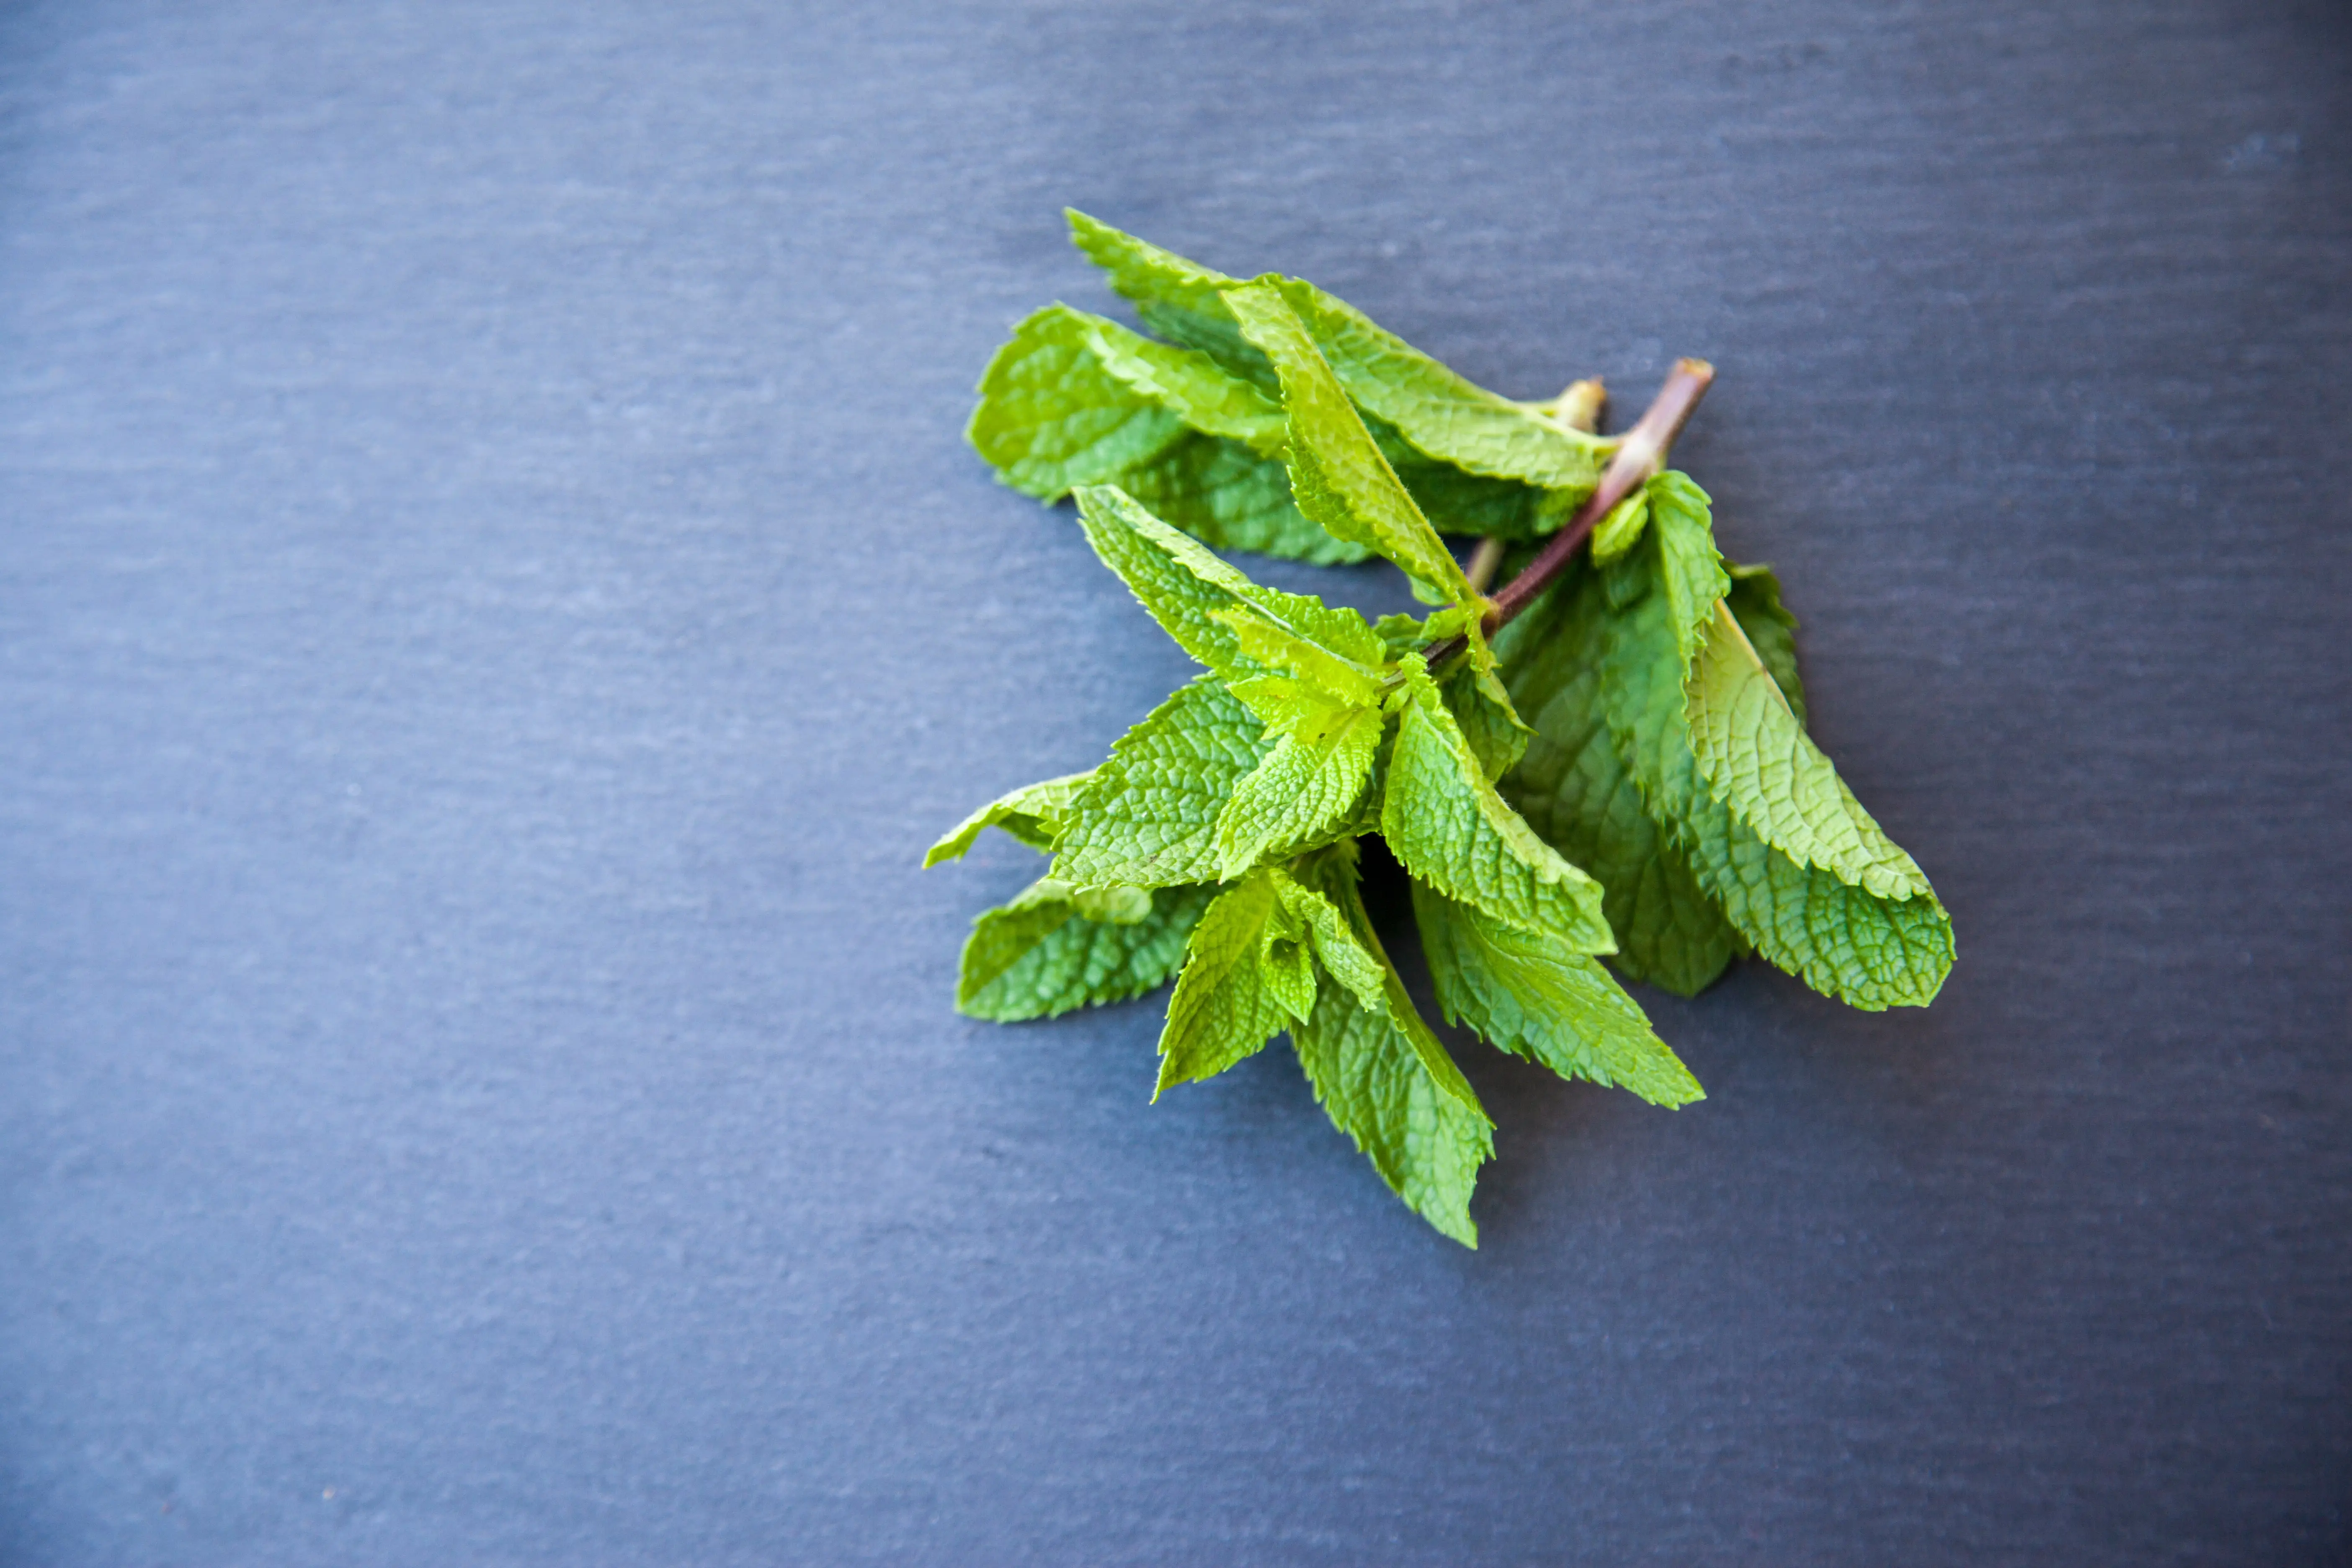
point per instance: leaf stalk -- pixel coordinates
(1641, 454)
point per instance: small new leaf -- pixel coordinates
(1302, 789)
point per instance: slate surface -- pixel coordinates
(494, 600)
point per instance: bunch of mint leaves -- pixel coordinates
(1606, 758)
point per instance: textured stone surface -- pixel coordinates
(477, 1079)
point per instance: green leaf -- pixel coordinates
(1051, 418)
(1189, 384)
(1147, 817)
(1381, 1074)
(1443, 416)
(1459, 503)
(1040, 956)
(1758, 760)
(1074, 399)
(1530, 995)
(1226, 496)
(1330, 930)
(1033, 814)
(1843, 941)
(1445, 823)
(1337, 473)
(1621, 529)
(1474, 693)
(1574, 788)
(1691, 571)
(1307, 786)
(1440, 412)
(1755, 600)
(1370, 1080)
(1178, 299)
(1217, 614)
(1224, 1010)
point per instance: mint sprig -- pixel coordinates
(1603, 764)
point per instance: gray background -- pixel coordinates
(494, 601)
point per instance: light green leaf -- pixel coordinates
(1352, 677)
(1179, 300)
(1033, 814)
(1302, 789)
(1843, 941)
(1459, 503)
(1439, 411)
(1147, 817)
(1333, 874)
(1461, 426)
(1189, 384)
(1617, 532)
(1337, 473)
(1530, 994)
(1372, 1081)
(1445, 823)
(1226, 496)
(1224, 1010)
(1197, 598)
(1682, 532)
(1575, 790)
(1329, 931)
(1051, 418)
(1758, 760)
(1040, 956)
(1755, 600)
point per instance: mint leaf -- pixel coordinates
(1074, 400)
(1040, 956)
(1369, 1081)
(1330, 930)
(1050, 417)
(1621, 529)
(1189, 384)
(1178, 299)
(1843, 941)
(1445, 823)
(1333, 875)
(1223, 1009)
(1224, 495)
(1755, 600)
(1758, 760)
(1217, 614)
(1531, 995)
(1382, 1077)
(1307, 786)
(1033, 814)
(1688, 568)
(1574, 789)
(1442, 413)
(1337, 473)
(1148, 817)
